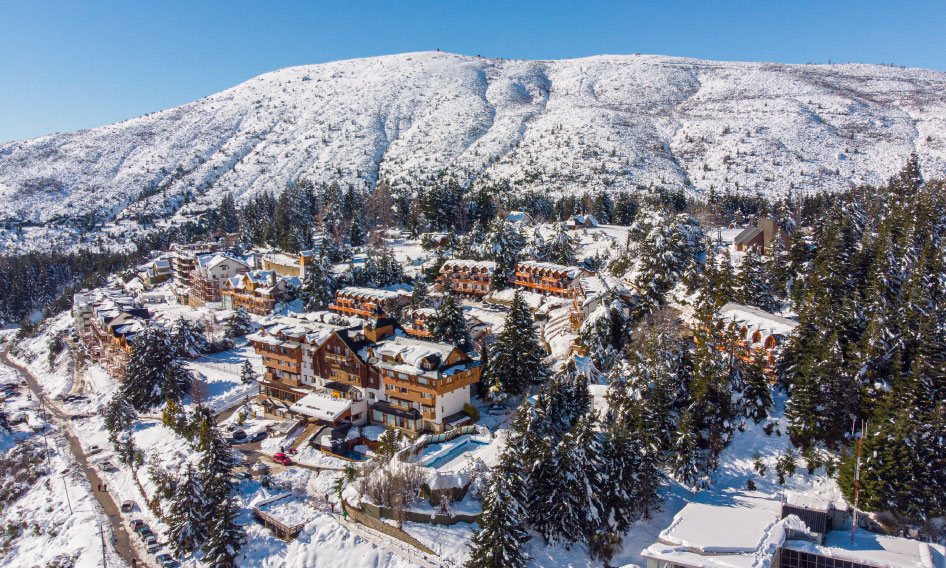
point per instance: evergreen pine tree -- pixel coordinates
(247, 374)
(154, 375)
(562, 247)
(226, 537)
(516, 356)
(499, 541)
(239, 324)
(318, 286)
(229, 220)
(119, 414)
(504, 247)
(187, 514)
(449, 325)
(188, 338)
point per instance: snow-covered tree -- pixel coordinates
(239, 324)
(247, 374)
(499, 541)
(753, 284)
(119, 414)
(226, 537)
(188, 338)
(516, 358)
(504, 246)
(449, 325)
(154, 374)
(562, 247)
(318, 286)
(187, 515)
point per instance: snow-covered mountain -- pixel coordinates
(559, 126)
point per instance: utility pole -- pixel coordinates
(66, 488)
(104, 559)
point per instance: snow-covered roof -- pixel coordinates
(322, 406)
(287, 509)
(727, 523)
(725, 530)
(570, 271)
(211, 260)
(584, 220)
(489, 265)
(875, 550)
(413, 351)
(518, 216)
(374, 293)
(757, 320)
(597, 285)
(313, 333)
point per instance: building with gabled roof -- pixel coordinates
(466, 277)
(366, 374)
(210, 271)
(581, 222)
(257, 291)
(369, 302)
(548, 278)
(519, 217)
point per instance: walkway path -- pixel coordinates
(392, 545)
(121, 536)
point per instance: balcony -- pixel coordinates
(546, 287)
(417, 332)
(346, 309)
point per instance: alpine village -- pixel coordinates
(452, 371)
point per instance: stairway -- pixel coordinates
(310, 429)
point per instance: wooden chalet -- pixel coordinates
(467, 277)
(369, 302)
(547, 278)
(257, 291)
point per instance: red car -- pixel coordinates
(282, 458)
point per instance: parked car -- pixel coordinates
(257, 437)
(135, 523)
(165, 560)
(239, 435)
(106, 465)
(243, 475)
(128, 506)
(282, 458)
(145, 533)
(142, 527)
(151, 544)
(93, 449)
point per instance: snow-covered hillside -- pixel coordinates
(558, 126)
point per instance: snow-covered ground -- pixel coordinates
(52, 530)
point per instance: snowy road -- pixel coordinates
(121, 537)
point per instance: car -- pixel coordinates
(128, 506)
(106, 465)
(145, 533)
(257, 437)
(142, 527)
(162, 557)
(282, 458)
(93, 449)
(152, 544)
(135, 523)
(239, 435)
(496, 410)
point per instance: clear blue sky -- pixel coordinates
(71, 65)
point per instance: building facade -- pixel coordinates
(358, 375)
(369, 302)
(467, 277)
(257, 291)
(209, 273)
(548, 279)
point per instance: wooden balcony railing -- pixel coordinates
(338, 308)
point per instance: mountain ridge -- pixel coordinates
(562, 126)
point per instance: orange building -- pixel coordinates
(547, 278)
(467, 277)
